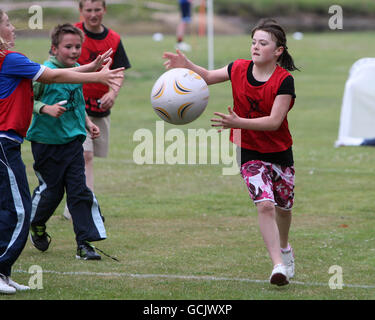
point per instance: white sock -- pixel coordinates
(287, 249)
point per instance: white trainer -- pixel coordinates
(279, 275)
(183, 46)
(288, 261)
(5, 288)
(17, 286)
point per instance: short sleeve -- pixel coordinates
(18, 66)
(230, 69)
(120, 58)
(287, 87)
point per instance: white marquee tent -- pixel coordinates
(357, 120)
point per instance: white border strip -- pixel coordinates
(311, 170)
(187, 277)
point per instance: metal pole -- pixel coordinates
(210, 34)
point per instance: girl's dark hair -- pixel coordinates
(271, 26)
(62, 29)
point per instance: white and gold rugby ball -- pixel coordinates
(179, 96)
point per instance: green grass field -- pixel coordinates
(189, 232)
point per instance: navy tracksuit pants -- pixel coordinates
(61, 168)
(15, 204)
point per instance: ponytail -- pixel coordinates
(271, 26)
(286, 61)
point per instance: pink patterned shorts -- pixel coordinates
(267, 181)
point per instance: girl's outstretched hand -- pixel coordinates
(230, 120)
(112, 78)
(101, 60)
(175, 60)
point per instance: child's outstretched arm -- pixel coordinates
(100, 61)
(179, 60)
(111, 78)
(272, 122)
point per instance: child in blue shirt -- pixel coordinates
(16, 105)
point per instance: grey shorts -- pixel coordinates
(100, 145)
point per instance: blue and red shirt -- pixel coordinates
(16, 93)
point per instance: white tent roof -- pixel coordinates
(357, 120)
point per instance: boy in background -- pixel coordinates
(185, 10)
(99, 98)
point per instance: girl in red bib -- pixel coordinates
(263, 93)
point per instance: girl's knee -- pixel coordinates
(266, 207)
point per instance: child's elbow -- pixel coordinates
(274, 125)
(48, 76)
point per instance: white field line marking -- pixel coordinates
(311, 170)
(187, 277)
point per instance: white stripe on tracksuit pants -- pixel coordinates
(15, 204)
